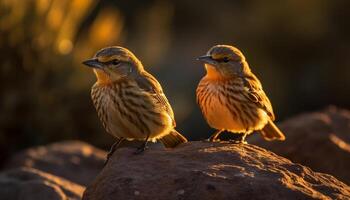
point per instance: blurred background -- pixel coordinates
(299, 49)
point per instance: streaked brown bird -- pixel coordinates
(231, 96)
(129, 101)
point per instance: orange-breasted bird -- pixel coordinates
(231, 96)
(129, 101)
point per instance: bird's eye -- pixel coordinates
(225, 59)
(115, 62)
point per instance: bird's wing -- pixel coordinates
(256, 94)
(150, 84)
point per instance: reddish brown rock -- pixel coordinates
(74, 160)
(203, 170)
(320, 140)
(32, 184)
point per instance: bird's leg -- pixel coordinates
(143, 147)
(243, 141)
(214, 136)
(113, 148)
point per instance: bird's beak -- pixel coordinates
(206, 59)
(94, 63)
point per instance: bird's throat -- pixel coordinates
(102, 77)
(212, 72)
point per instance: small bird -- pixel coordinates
(231, 96)
(129, 101)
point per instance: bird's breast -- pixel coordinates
(215, 107)
(127, 111)
(225, 106)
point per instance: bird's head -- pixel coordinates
(112, 63)
(224, 61)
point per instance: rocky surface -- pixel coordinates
(320, 140)
(73, 160)
(203, 170)
(32, 184)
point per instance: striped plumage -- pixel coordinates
(129, 101)
(228, 98)
(231, 97)
(127, 111)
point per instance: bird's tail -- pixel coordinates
(272, 132)
(173, 139)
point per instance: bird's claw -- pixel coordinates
(243, 142)
(238, 141)
(212, 140)
(140, 150)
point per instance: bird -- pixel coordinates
(129, 101)
(231, 97)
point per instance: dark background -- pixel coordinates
(299, 49)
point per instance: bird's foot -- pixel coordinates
(140, 149)
(234, 141)
(242, 142)
(215, 137)
(212, 140)
(238, 141)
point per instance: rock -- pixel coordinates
(320, 140)
(203, 170)
(31, 184)
(74, 160)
